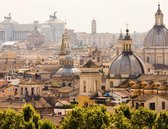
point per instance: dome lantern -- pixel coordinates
(127, 42)
(159, 16)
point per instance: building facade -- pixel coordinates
(13, 31)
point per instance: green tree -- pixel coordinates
(47, 125)
(143, 118)
(162, 120)
(28, 113)
(122, 122)
(95, 117)
(123, 108)
(9, 119)
(28, 118)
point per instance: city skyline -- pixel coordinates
(111, 16)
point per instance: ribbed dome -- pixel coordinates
(68, 69)
(158, 36)
(126, 65)
(67, 72)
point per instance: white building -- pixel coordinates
(13, 31)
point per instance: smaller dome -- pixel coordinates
(67, 72)
(68, 69)
(126, 65)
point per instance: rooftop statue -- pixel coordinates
(54, 16)
(8, 17)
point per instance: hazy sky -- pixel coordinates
(111, 15)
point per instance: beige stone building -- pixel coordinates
(30, 88)
(90, 83)
(90, 79)
(152, 102)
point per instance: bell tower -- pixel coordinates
(93, 26)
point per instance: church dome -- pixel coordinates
(67, 72)
(68, 69)
(158, 35)
(127, 64)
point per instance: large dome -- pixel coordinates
(126, 65)
(158, 36)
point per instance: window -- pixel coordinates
(26, 91)
(103, 88)
(137, 105)
(147, 59)
(95, 86)
(111, 84)
(152, 106)
(163, 105)
(142, 104)
(21, 90)
(126, 47)
(32, 91)
(84, 86)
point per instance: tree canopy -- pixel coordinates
(96, 117)
(27, 118)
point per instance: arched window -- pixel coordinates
(147, 59)
(26, 91)
(21, 90)
(15, 91)
(111, 84)
(32, 91)
(103, 88)
(84, 86)
(126, 47)
(95, 86)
